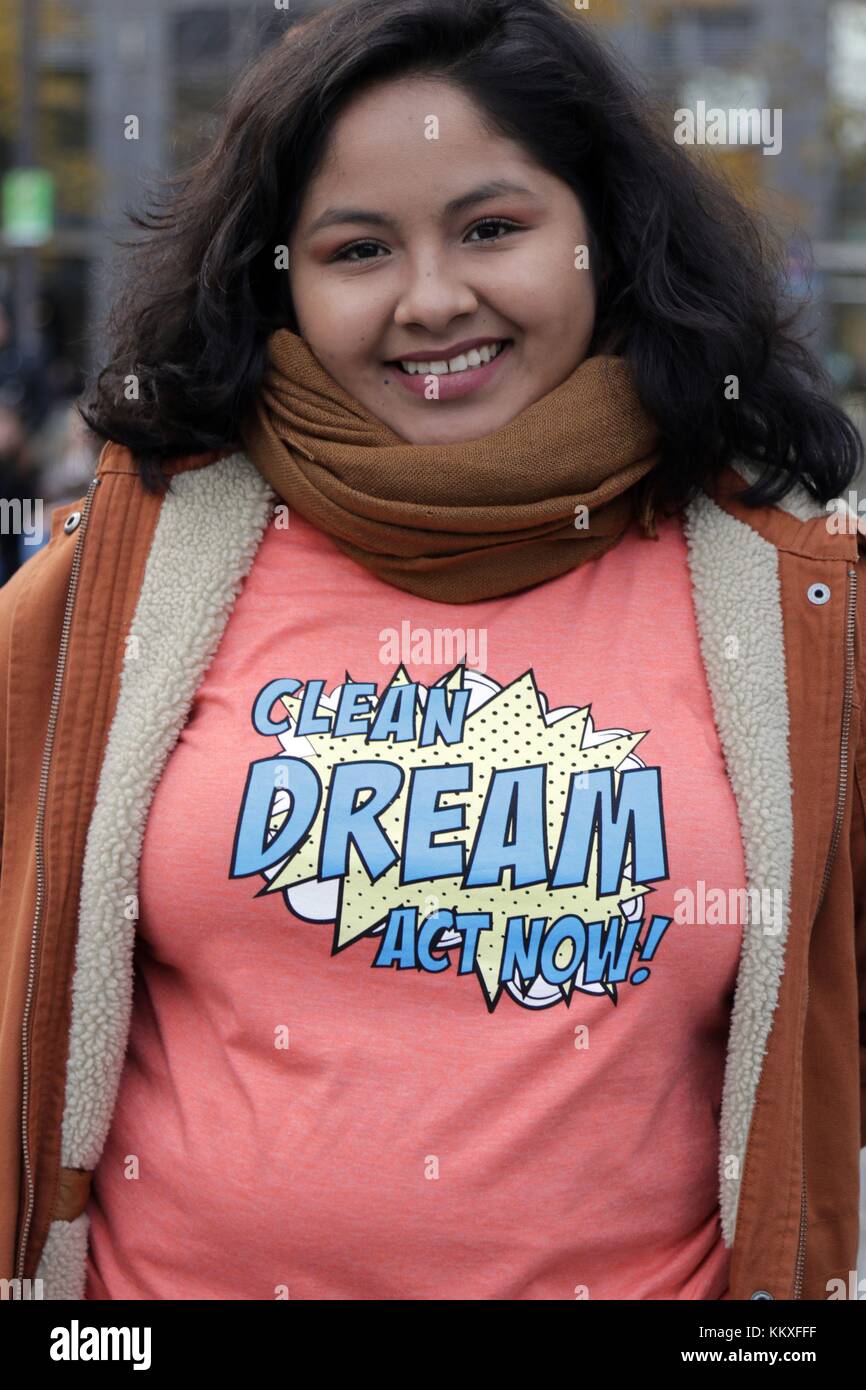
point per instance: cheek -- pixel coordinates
(548, 292)
(341, 323)
(576, 287)
(584, 298)
(316, 298)
(572, 283)
(560, 309)
(318, 321)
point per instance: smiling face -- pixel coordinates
(438, 251)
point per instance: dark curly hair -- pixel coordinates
(691, 285)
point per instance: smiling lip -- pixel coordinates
(444, 354)
(452, 385)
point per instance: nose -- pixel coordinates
(433, 292)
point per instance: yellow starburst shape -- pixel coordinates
(509, 728)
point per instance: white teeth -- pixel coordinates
(475, 357)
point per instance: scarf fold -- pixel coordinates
(464, 521)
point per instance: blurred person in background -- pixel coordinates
(25, 400)
(24, 380)
(64, 452)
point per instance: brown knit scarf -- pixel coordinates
(464, 521)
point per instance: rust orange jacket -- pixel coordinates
(105, 635)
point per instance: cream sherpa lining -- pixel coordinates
(737, 595)
(210, 526)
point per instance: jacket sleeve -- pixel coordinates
(5, 615)
(858, 826)
(10, 592)
(8, 598)
(858, 852)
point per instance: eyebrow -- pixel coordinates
(482, 194)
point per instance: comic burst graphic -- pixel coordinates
(536, 895)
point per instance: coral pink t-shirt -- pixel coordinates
(439, 930)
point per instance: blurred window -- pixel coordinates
(202, 36)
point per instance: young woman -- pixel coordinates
(440, 891)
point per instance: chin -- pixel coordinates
(456, 431)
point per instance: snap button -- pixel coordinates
(71, 521)
(760, 1293)
(818, 593)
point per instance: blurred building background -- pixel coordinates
(72, 71)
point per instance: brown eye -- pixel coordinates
(494, 222)
(344, 255)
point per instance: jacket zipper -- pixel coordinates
(40, 876)
(840, 808)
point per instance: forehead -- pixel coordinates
(416, 141)
(406, 106)
(415, 121)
